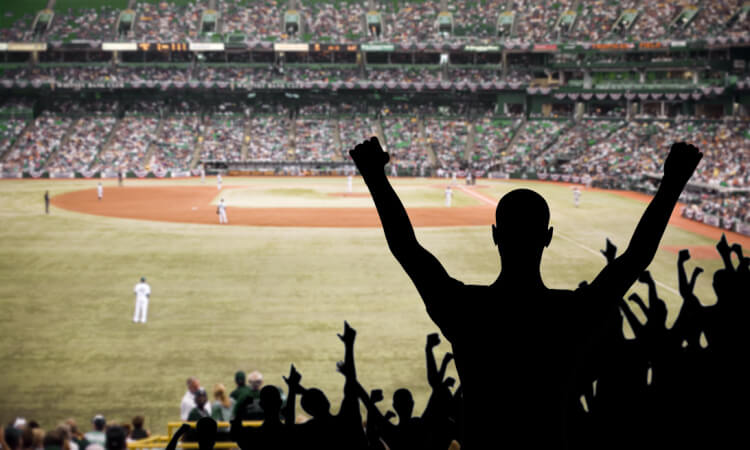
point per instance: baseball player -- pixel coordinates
(142, 294)
(203, 174)
(46, 202)
(394, 170)
(349, 183)
(218, 181)
(576, 196)
(99, 190)
(448, 196)
(221, 210)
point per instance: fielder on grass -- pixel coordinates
(142, 294)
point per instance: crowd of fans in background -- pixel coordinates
(403, 22)
(79, 75)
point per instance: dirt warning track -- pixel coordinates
(192, 204)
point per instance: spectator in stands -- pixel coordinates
(239, 379)
(256, 383)
(202, 408)
(188, 400)
(138, 431)
(222, 407)
(97, 435)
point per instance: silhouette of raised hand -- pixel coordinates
(369, 157)
(686, 287)
(687, 326)
(725, 252)
(349, 334)
(610, 252)
(681, 163)
(294, 378)
(433, 340)
(376, 395)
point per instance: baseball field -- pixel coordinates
(300, 256)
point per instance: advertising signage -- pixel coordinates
(283, 47)
(482, 48)
(613, 46)
(377, 47)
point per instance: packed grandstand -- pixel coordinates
(575, 91)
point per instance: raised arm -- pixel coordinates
(293, 383)
(435, 377)
(423, 268)
(172, 445)
(617, 277)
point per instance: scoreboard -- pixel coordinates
(334, 48)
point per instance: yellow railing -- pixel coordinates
(161, 441)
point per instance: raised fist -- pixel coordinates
(349, 334)
(433, 339)
(681, 163)
(369, 157)
(294, 377)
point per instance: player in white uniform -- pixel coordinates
(576, 196)
(448, 196)
(221, 210)
(99, 190)
(349, 183)
(142, 294)
(218, 181)
(203, 174)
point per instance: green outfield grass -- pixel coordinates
(229, 298)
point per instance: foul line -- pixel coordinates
(493, 202)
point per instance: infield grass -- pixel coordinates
(229, 298)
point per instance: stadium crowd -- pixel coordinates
(404, 22)
(668, 376)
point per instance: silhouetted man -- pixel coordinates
(516, 342)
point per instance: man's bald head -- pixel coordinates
(255, 379)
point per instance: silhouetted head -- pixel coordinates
(116, 437)
(521, 225)
(315, 403)
(403, 403)
(143, 279)
(206, 429)
(270, 400)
